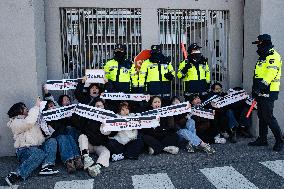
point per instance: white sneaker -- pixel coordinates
(219, 140)
(151, 151)
(171, 149)
(94, 170)
(117, 157)
(88, 161)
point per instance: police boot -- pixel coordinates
(259, 142)
(232, 136)
(278, 146)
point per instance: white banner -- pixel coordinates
(229, 99)
(94, 113)
(129, 123)
(168, 110)
(95, 76)
(201, 112)
(123, 96)
(64, 84)
(58, 113)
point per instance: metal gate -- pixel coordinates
(208, 28)
(88, 36)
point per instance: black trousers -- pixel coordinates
(267, 119)
(131, 149)
(158, 143)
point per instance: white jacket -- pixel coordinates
(123, 137)
(25, 130)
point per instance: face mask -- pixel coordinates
(119, 56)
(196, 56)
(156, 57)
(263, 48)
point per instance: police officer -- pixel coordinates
(265, 89)
(118, 71)
(195, 73)
(157, 73)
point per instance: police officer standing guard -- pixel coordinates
(195, 73)
(118, 70)
(156, 73)
(265, 89)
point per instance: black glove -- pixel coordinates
(262, 87)
(169, 76)
(185, 69)
(255, 93)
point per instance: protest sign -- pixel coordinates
(95, 76)
(129, 123)
(58, 113)
(123, 96)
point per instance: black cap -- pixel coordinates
(120, 47)
(193, 46)
(263, 37)
(156, 48)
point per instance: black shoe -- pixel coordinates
(132, 157)
(233, 137)
(258, 142)
(278, 146)
(48, 170)
(12, 178)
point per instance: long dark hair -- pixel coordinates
(16, 109)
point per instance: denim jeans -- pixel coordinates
(31, 157)
(189, 133)
(68, 148)
(50, 149)
(73, 132)
(232, 122)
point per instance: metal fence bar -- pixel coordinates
(209, 28)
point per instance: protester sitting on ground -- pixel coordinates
(63, 100)
(126, 143)
(235, 113)
(32, 149)
(68, 148)
(163, 137)
(207, 130)
(231, 127)
(187, 131)
(94, 91)
(93, 140)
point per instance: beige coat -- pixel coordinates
(25, 130)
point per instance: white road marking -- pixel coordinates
(227, 178)
(153, 181)
(74, 184)
(276, 166)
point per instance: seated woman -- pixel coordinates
(68, 148)
(163, 137)
(207, 130)
(63, 100)
(126, 143)
(187, 131)
(93, 140)
(31, 147)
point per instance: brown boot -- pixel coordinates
(78, 163)
(70, 166)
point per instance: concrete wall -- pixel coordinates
(22, 58)
(263, 16)
(150, 31)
